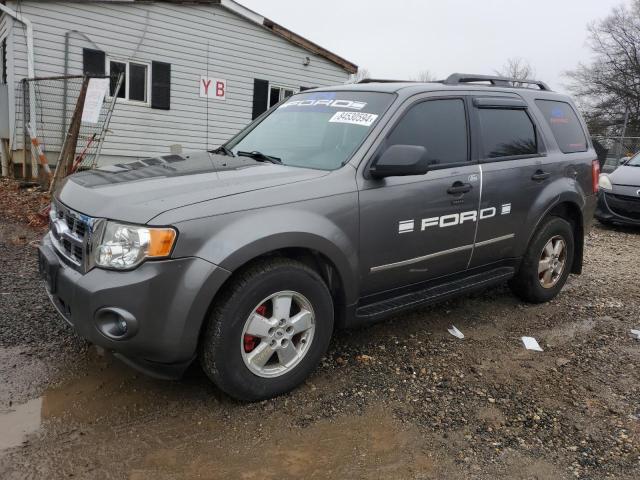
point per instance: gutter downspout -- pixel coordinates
(31, 72)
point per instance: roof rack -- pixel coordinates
(384, 80)
(458, 78)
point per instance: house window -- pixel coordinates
(266, 95)
(277, 93)
(135, 83)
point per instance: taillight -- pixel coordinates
(595, 172)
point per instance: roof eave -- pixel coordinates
(314, 48)
(287, 34)
(272, 26)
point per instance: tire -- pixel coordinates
(528, 282)
(225, 352)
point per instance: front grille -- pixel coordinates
(75, 225)
(624, 206)
(70, 232)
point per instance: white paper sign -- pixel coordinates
(531, 343)
(215, 88)
(354, 118)
(96, 91)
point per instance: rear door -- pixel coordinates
(414, 228)
(513, 171)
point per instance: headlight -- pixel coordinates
(605, 182)
(127, 246)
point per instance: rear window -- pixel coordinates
(564, 124)
(507, 133)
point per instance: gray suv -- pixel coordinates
(336, 208)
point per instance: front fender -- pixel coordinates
(230, 241)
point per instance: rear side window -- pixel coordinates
(564, 124)
(438, 125)
(507, 133)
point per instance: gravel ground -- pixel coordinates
(401, 399)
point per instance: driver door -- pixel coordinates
(420, 227)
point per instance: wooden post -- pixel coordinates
(74, 128)
(6, 155)
(68, 153)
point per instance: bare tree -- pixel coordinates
(608, 89)
(362, 74)
(425, 76)
(519, 69)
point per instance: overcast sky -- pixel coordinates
(398, 39)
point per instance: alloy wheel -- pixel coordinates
(278, 333)
(552, 262)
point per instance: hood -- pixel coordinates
(627, 176)
(626, 181)
(138, 191)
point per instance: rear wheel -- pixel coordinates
(268, 331)
(547, 264)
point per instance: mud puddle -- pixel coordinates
(188, 429)
(105, 392)
(21, 375)
(18, 422)
(361, 446)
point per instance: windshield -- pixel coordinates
(635, 161)
(315, 130)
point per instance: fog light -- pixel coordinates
(116, 324)
(122, 326)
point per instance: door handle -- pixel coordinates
(459, 188)
(540, 176)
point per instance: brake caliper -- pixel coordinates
(251, 342)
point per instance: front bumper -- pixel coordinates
(618, 208)
(168, 299)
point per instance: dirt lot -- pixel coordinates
(402, 399)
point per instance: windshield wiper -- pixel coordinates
(261, 157)
(223, 150)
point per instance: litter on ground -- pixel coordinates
(456, 333)
(531, 343)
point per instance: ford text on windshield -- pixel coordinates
(318, 130)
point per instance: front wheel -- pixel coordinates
(547, 264)
(268, 331)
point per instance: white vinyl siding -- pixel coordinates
(182, 35)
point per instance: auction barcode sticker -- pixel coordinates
(354, 118)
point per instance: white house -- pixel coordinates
(165, 48)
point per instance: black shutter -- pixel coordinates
(260, 97)
(161, 85)
(93, 62)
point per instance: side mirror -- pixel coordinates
(401, 161)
